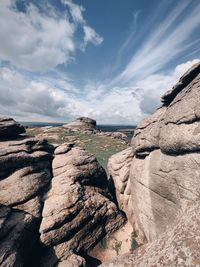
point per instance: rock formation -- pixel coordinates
(118, 171)
(25, 171)
(164, 177)
(18, 235)
(79, 213)
(10, 128)
(178, 246)
(60, 208)
(82, 124)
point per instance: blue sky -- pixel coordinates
(107, 59)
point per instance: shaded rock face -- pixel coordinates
(82, 124)
(10, 128)
(178, 246)
(118, 170)
(79, 210)
(17, 236)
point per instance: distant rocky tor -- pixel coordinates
(55, 204)
(82, 124)
(163, 170)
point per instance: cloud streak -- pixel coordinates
(170, 39)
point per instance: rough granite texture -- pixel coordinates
(78, 210)
(18, 234)
(25, 173)
(165, 177)
(118, 172)
(179, 246)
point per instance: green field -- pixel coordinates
(101, 146)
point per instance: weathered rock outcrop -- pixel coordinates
(82, 124)
(178, 246)
(165, 175)
(25, 173)
(67, 199)
(118, 171)
(79, 210)
(18, 234)
(10, 128)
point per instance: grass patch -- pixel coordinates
(103, 147)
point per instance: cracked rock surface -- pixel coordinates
(78, 210)
(164, 175)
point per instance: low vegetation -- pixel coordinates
(101, 146)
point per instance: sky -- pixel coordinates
(110, 60)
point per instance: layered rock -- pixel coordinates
(10, 128)
(82, 124)
(25, 173)
(79, 210)
(165, 173)
(118, 171)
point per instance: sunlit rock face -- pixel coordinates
(165, 170)
(25, 174)
(79, 209)
(54, 200)
(178, 246)
(164, 176)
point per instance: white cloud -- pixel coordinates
(89, 33)
(53, 100)
(91, 36)
(38, 41)
(166, 42)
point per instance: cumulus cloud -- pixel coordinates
(38, 41)
(53, 100)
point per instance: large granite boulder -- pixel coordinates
(178, 246)
(10, 128)
(164, 171)
(78, 210)
(25, 173)
(81, 124)
(18, 235)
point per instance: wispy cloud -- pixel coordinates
(165, 43)
(39, 41)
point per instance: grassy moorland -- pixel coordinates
(101, 146)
